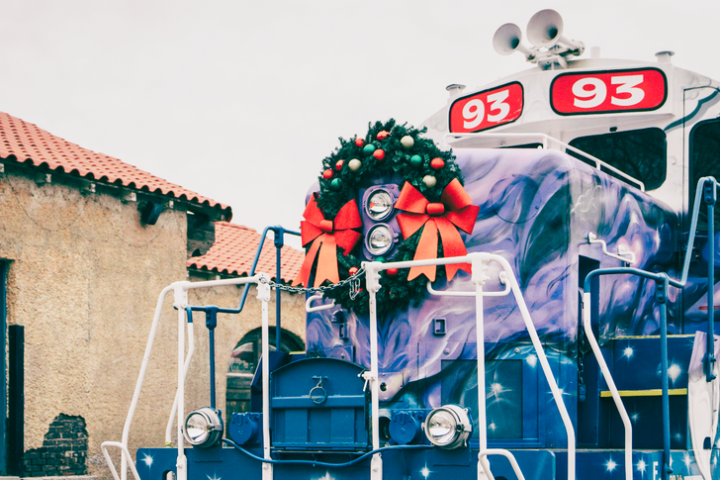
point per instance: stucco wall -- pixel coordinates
(84, 277)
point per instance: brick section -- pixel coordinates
(64, 450)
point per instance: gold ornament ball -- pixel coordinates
(407, 141)
(429, 180)
(354, 164)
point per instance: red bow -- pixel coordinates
(326, 236)
(455, 211)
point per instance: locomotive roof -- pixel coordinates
(539, 116)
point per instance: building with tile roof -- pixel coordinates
(87, 242)
(234, 252)
(25, 143)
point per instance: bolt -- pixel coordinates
(517, 350)
(446, 351)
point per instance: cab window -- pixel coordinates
(639, 153)
(704, 162)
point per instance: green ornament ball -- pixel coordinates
(380, 259)
(416, 161)
(354, 164)
(407, 141)
(336, 184)
(368, 149)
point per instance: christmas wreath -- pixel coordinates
(432, 204)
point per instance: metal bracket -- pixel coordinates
(263, 288)
(181, 295)
(372, 277)
(479, 270)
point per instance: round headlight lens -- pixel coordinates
(380, 240)
(448, 427)
(379, 205)
(441, 427)
(197, 428)
(203, 427)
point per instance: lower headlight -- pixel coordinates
(203, 427)
(448, 427)
(379, 239)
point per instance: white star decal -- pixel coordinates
(610, 465)
(148, 460)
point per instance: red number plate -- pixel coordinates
(487, 109)
(608, 92)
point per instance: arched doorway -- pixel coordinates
(243, 362)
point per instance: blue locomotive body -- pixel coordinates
(616, 250)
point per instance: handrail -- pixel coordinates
(310, 309)
(592, 238)
(479, 277)
(445, 293)
(661, 283)
(279, 239)
(191, 351)
(482, 460)
(123, 451)
(545, 140)
(178, 288)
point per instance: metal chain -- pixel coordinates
(340, 284)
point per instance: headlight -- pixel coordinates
(379, 240)
(379, 205)
(203, 428)
(448, 427)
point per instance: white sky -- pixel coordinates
(240, 101)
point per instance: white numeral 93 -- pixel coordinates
(474, 111)
(594, 91)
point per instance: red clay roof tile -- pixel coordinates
(26, 143)
(234, 251)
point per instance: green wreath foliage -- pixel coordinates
(397, 293)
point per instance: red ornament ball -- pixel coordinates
(353, 270)
(359, 142)
(382, 135)
(338, 165)
(392, 271)
(327, 174)
(379, 154)
(437, 163)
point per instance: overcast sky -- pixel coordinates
(240, 101)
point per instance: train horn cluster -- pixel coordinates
(545, 33)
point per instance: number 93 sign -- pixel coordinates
(608, 92)
(487, 109)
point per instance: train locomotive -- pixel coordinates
(518, 290)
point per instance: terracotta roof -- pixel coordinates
(26, 143)
(234, 251)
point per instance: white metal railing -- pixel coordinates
(547, 141)
(173, 411)
(180, 291)
(479, 263)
